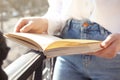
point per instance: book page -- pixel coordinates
(54, 46)
(40, 41)
(62, 51)
(71, 43)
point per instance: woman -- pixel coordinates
(82, 19)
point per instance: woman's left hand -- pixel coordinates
(111, 45)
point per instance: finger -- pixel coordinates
(108, 52)
(20, 24)
(107, 41)
(27, 27)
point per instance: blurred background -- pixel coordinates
(10, 12)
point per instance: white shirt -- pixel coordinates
(104, 12)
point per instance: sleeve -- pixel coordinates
(54, 16)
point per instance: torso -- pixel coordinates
(77, 8)
(108, 14)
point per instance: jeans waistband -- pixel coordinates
(84, 29)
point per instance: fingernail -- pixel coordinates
(103, 44)
(22, 30)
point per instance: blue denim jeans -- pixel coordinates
(86, 67)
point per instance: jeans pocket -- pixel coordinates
(71, 30)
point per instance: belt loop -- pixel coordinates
(102, 30)
(84, 24)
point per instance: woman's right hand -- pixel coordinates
(32, 25)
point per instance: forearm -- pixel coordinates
(55, 24)
(54, 17)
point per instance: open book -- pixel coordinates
(53, 46)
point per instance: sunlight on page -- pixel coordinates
(72, 43)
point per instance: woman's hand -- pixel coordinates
(111, 45)
(32, 25)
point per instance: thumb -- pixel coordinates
(107, 42)
(27, 27)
